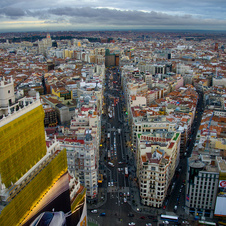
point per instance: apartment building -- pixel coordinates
(148, 120)
(157, 158)
(82, 159)
(152, 68)
(50, 119)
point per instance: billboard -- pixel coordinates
(220, 208)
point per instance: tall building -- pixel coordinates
(44, 44)
(202, 185)
(33, 178)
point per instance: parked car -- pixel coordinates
(131, 223)
(102, 214)
(130, 215)
(93, 211)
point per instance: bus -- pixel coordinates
(169, 218)
(126, 172)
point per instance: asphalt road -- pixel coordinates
(116, 183)
(176, 196)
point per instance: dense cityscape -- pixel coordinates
(113, 128)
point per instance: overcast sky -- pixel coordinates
(117, 14)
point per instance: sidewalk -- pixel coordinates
(101, 200)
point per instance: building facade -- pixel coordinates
(202, 186)
(157, 158)
(34, 178)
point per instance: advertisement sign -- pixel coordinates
(220, 208)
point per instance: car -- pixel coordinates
(130, 215)
(164, 207)
(93, 211)
(109, 184)
(165, 222)
(131, 223)
(110, 164)
(120, 194)
(142, 217)
(102, 214)
(50, 218)
(124, 194)
(128, 194)
(124, 200)
(112, 183)
(148, 224)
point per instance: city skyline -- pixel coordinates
(101, 15)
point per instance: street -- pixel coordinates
(120, 198)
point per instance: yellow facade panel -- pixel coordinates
(19, 208)
(22, 144)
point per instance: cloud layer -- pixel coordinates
(202, 14)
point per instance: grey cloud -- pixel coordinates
(205, 8)
(12, 12)
(118, 17)
(106, 17)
